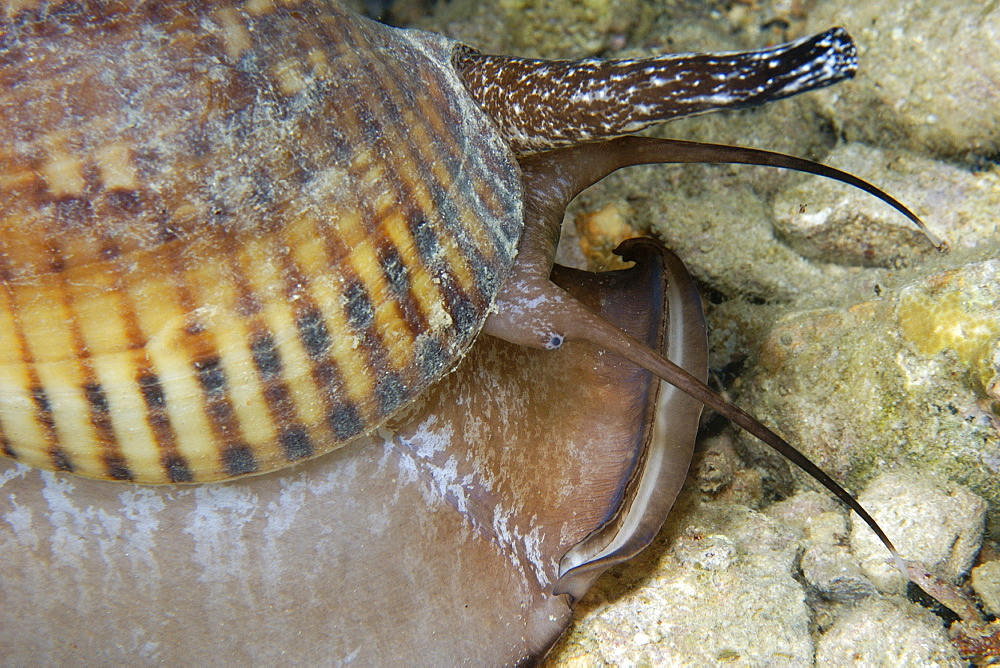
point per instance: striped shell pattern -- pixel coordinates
(220, 251)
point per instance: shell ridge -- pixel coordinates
(32, 406)
(176, 216)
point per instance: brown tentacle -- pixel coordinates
(534, 312)
(688, 151)
(592, 162)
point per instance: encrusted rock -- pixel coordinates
(835, 573)
(833, 222)
(886, 632)
(827, 564)
(900, 379)
(930, 72)
(937, 523)
(985, 581)
(540, 28)
(805, 509)
(723, 592)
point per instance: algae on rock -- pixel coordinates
(900, 379)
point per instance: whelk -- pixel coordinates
(238, 235)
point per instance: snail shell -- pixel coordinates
(237, 234)
(218, 257)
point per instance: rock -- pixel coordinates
(539, 28)
(928, 77)
(886, 632)
(826, 563)
(804, 509)
(723, 592)
(834, 572)
(936, 523)
(977, 642)
(900, 379)
(985, 581)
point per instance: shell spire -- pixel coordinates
(542, 104)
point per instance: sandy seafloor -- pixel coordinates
(830, 319)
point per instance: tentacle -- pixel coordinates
(680, 151)
(533, 312)
(569, 170)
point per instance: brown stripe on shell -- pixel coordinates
(110, 452)
(382, 336)
(175, 407)
(368, 117)
(227, 375)
(399, 283)
(468, 228)
(388, 389)
(341, 405)
(289, 432)
(290, 381)
(235, 456)
(471, 234)
(229, 452)
(294, 439)
(38, 433)
(5, 446)
(343, 416)
(100, 416)
(134, 403)
(385, 337)
(60, 457)
(173, 463)
(431, 155)
(143, 376)
(431, 172)
(95, 299)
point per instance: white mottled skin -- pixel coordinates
(237, 549)
(542, 104)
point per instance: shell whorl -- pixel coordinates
(232, 235)
(238, 233)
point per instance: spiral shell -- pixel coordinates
(233, 235)
(239, 233)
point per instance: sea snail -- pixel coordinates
(236, 235)
(437, 540)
